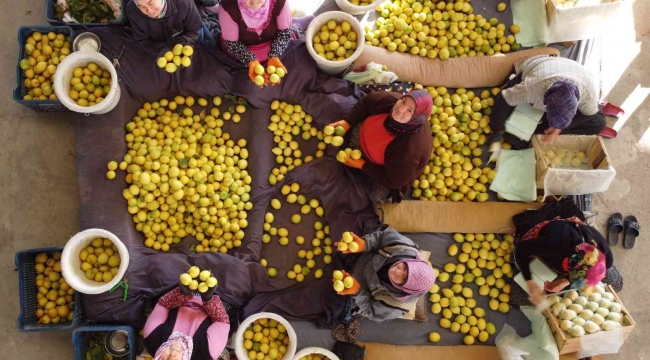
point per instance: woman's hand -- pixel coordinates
(252, 74)
(551, 133)
(342, 123)
(536, 294)
(556, 285)
(278, 65)
(355, 285)
(359, 241)
(357, 164)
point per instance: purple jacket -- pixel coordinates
(180, 25)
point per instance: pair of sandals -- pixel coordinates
(629, 226)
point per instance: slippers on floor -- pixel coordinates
(614, 227)
(612, 110)
(631, 230)
(608, 133)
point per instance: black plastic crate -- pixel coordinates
(37, 105)
(27, 320)
(81, 339)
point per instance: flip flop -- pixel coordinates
(631, 229)
(608, 133)
(614, 227)
(612, 110)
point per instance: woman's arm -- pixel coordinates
(376, 102)
(230, 35)
(192, 24)
(526, 250)
(384, 238)
(217, 332)
(172, 300)
(283, 36)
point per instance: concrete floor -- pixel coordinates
(40, 205)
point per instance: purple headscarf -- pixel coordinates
(561, 101)
(186, 343)
(420, 278)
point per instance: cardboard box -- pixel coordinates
(415, 216)
(561, 181)
(580, 22)
(567, 344)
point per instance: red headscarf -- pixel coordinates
(423, 105)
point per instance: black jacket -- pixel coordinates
(180, 25)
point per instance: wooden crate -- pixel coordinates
(567, 344)
(595, 151)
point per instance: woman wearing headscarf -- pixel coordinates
(392, 132)
(558, 236)
(253, 31)
(184, 326)
(387, 273)
(160, 24)
(563, 88)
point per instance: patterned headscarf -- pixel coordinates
(256, 20)
(561, 101)
(420, 277)
(586, 266)
(423, 105)
(183, 340)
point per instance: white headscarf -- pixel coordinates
(177, 338)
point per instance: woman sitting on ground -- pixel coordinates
(393, 133)
(562, 87)
(253, 31)
(160, 24)
(387, 273)
(184, 326)
(577, 252)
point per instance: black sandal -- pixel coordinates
(631, 228)
(614, 227)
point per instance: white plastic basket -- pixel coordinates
(239, 337)
(347, 6)
(64, 74)
(327, 66)
(315, 350)
(71, 264)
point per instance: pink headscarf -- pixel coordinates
(420, 277)
(256, 20)
(177, 338)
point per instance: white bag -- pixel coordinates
(512, 346)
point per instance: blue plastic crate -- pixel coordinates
(50, 15)
(81, 339)
(37, 105)
(27, 284)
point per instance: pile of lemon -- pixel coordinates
(361, 3)
(89, 85)
(43, 53)
(289, 121)
(179, 56)
(336, 41)
(477, 255)
(459, 123)
(54, 297)
(266, 339)
(186, 176)
(438, 29)
(320, 243)
(100, 261)
(314, 357)
(195, 279)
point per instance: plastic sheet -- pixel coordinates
(371, 74)
(515, 179)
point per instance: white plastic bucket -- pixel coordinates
(64, 74)
(327, 66)
(239, 336)
(347, 6)
(315, 350)
(71, 264)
